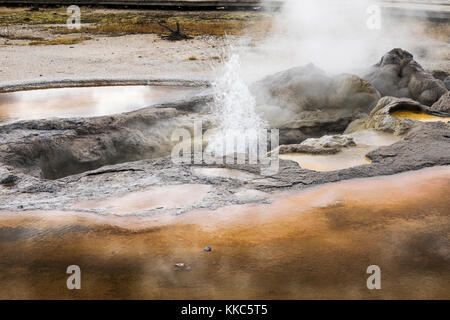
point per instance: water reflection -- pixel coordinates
(366, 140)
(163, 197)
(84, 101)
(310, 244)
(347, 158)
(416, 115)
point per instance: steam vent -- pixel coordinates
(249, 150)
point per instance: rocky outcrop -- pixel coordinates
(443, 104)
(315, 124)
(339, 141)
(381, 116)
(399, 75)
(309, 88)
(90, 158)
(323, 145)
(56, 148)
(443, 76)
(305, 102)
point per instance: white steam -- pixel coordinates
(332, 34)
(234, 111)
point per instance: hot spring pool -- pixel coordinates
(85, 101)
(420, 116)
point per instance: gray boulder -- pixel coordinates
(443, 76)
(399, 75)
(305, 102)
(381, 116)
(443, 104)
(323, 145)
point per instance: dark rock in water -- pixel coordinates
(305, 102)
(399, 75)
(443, 104)
(207, 249)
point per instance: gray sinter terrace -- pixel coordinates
(55, 163)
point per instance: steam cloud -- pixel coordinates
(332, 34)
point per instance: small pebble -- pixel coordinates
(207, 249)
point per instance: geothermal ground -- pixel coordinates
(87, 177)
(125, 43)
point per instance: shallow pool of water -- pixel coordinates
(162, 197)
(416, 115)
(224, 173)
(310, 244)
(85, 101)
(347, 158)
(366, 140)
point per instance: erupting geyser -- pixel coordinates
(234, 113)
